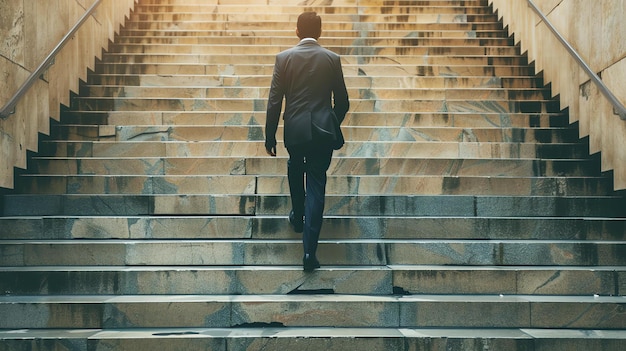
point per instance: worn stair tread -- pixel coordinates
(312, 332)
(323, 269)
(336, 184)
(330, 298)
(442, 32)
(275, 227)
(355, 205)
(362, 59)
(348, 252)
(398, 119)
(329, 279)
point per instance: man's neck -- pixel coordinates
(304, 40)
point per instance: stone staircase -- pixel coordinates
(462, 214)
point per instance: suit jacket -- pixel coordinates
(310, 79)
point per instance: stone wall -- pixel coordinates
(596, 31)
(29, 31)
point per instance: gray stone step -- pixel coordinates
(329, 41)
(428, 23)
(281, 280)
(358, 105)
(326, 11)
(71, 132)
(360, 149)
(502, 50)
(227, 311)
(368, 28)
(338, 227)
(398, 166)
(350, 58)
(397, 119)
(331, 339)
(331, 252)
(333, 22)
(495, 92)
(338, 205)
(509, 76)
(356, 82)
(460, 30)
(336, 185)
(282, 20)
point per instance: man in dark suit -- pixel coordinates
(310, 79)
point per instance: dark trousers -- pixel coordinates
(309, 161)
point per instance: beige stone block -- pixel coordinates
(165, 314)
(12, 31)
(120, 166)
(204, 204)
(575, 314)
(103, 228)
(73, 253)
(198, 228)
(206, 185)
(453, 281)
(362, 313)
(565, 282)
(210, 281)
(226, 148)
(182, 253)
(126, 149)
(507, 313)
(208, 166)
(112, 185)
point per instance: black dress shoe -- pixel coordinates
(310, 263)
(296, 223)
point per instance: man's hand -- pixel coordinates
(271, 150)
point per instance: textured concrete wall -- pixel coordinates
(597, 30)
(29, 31)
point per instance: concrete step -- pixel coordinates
(356, 82)
(150, 40)
(408, 149)
(357, 105)
(339, 227)
(336, 205)
(341, 50)
(508, 76)
(422, 14)
(374, 22)
(457, 30)
(337, 185)
(335, 3)
(352, 58)
(183, 92)
(352, 133)
(282, 280)
(359, 119)
(143, 11)
(228, 311)
(257, 27)
(331, 339)
(264, 166)
(331, 252)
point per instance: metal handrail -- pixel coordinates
(9, 108)
(618, 107)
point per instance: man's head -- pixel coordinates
(309, 25)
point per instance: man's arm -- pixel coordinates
(274, 106)
(340, 94)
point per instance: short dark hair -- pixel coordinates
(309, 25)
